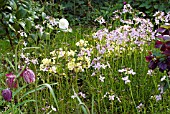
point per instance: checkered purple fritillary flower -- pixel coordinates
(7, 94)
(28, 76)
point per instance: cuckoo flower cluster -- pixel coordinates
(161, 17)
(133, 31)
(160, 57)
(12, 82)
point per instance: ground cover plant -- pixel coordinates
(121, 65)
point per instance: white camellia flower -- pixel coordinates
(63, 24)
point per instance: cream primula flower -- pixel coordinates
(46, 61)
(71, 53)
(71, 65)
(82, 43)
(53, 53)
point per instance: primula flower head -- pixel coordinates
(28, 76)
(7, 94)
(10, 80)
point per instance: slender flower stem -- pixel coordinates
(132, 96)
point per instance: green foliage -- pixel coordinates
(150, 6)
(17, 16)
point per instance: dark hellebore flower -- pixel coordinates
(7, 94)
(148, 58)
(10, 81)
(162, 66)
(152, 65)
(28, 76)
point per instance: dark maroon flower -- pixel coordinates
(10, 81)
(148, 58)
(162, 66)
(152, 65)
(7, 94)
(167, 44)
(167, 52)
(158, 44)
(163, 47)
(28, 76)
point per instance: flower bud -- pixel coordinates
(7, 94)
(28, 76)
(10, 81)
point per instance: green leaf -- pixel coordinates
(10, 63)
(42, 9)
(165, 26)
(2, 2)
(21, 13)
(11, 27)
(22, 24)
(18, 90)
(43, 15)
(13, 4)
(2, 31)
(15, 107)
(40, 87)
(28, 24)
(46, 36)
(156, 6)
(142, 5)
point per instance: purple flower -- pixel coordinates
(7, 94)
(10, 81)
(124, 2)
(28, 76)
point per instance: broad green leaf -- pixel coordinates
(42, 9)
(43, 15)
(22, 24)
(21, 13)
(28, 24)
(13, 4)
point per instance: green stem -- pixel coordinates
(132, 96)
